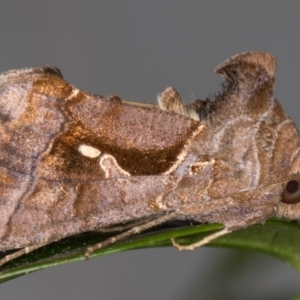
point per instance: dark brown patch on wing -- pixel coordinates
(65, 157)
(46, 120)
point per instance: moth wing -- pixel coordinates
(65, 153)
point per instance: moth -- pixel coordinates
(73, 162)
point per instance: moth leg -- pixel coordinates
(130, 232)
(119, 228)
(204, 241)
(21, 252)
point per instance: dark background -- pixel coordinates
(135, 49)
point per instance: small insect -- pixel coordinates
(73, 162)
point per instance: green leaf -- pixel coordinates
(277, 238)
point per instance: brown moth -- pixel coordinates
(72, 162)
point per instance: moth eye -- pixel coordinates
(291, 193)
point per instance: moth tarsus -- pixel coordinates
(74, 162)
(202, 242)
